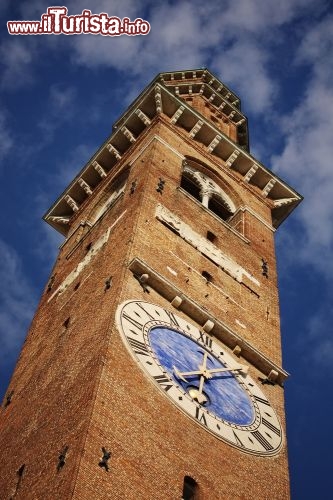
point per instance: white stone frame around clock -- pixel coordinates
(263, 437)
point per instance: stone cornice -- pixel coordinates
(159, 98)
(201, 315)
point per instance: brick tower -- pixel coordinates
(152, 369)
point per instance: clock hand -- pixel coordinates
(203, 367)
(201, 371)
(241, 368)
(201, 398)
(207, 373)
(182, 374)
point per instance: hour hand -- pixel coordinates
(181, 375)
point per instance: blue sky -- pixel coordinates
(59, 96)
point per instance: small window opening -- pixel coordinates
(211, 236)
(66, 322)
(191, 187)
(62, 458)
(190, 489)
(50, 283)
(264, 268)
(8, 399)
(88, 247)
(216, 206)
(108, 283)
(19, 474)
(207, 276)
(104, 460)
(21, 470)
(77, 286)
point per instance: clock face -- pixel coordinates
(200, 377)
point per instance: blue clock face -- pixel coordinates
(225, 396)
(197, 373)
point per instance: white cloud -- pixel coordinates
(60, 108)
(17, 299)
(186, 35)
(61, 98)
(244, 65)
(306, 160)
(31, 10)
(316, 342)
(70, 167)
(16, 57)
(259, 16)
(316, 49)
(63, 173)
(180, 35)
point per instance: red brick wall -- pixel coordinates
(78, 386)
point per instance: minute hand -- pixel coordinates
(207, 372)
(241, 368)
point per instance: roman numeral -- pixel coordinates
(263, 441)
(163, 381)
(262, 400)
(148, 314)
(238, 441)
(138, 347)
(172, 318)
(133, 321)
(271, 426)
(200, 415)
(205, 339)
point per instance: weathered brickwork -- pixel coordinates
(75, 384)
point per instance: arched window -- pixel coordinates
(191, 186)
(216, 205)
(207, 191)
(190, 489)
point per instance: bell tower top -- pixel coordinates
(214, 100)
(205, 110)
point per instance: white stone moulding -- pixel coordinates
(201, 315)
(128, 134)
(232, 158)
(113, 151)
(72, 203)
(268, 188)
(158, 99)
(214, 143)
(99, 169)
(204, 246)
(193, 132)
(144, 118)
(84, 262)
(177, 114)
(87, 258)
(110, 201)
(85, 186)
(59, 219)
